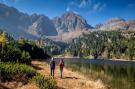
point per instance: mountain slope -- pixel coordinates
(42, 25)
(19, 24)
(70, 22)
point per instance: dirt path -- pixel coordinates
(71, 80)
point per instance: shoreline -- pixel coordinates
(67, 57)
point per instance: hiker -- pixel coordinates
(52, 67)
(61, 64)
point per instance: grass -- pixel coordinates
(12, 71)
(24, 73)
(44, 82)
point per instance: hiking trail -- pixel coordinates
(70, 80)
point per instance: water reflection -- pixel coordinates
(115, 74)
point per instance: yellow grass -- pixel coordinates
(71, 80)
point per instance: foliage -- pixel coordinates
(10, 71)
(26, 58)
(11, 53)
(52, 47)
(3, 38)
(14, 55)
(107, 44)
(44, 82)
(34, 51)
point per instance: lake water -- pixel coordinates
(97, 61)
(115, 74)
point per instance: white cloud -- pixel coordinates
(102, 7)
(99, 7)
(83, 3)
(71, 6)
(87, 5)
(96, 6)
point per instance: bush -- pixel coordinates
(34, 51)
(9, 53)
(44, 82)
(25, 58)
(13, 71)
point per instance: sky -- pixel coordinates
(94, 11)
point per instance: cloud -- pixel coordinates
(131, 5)
(71, 6)
(96, 6)
(99, 7)
(86, 5)
(68, 9)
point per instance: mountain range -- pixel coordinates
(118, 24)
(20, 24)
(64, 27)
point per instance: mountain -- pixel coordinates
(19, 24)
(41, 25)
(131, 24)
(66, 27)
(118, 24)
(70, 22)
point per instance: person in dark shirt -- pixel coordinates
(52, 67)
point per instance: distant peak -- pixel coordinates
(116, 19)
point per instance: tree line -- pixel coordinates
(104, 44)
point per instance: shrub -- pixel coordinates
(10, 53)
(44, 82)
(13, 71)
(34, 51)
(25, 58)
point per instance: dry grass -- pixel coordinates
(29, 86)
(71, 80)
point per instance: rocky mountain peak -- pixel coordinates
(21, 24)
(69, 22)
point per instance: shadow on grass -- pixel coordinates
(35, 66)
(67, 77)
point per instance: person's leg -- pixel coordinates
(61, 70)
(51, 71)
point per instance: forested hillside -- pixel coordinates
(105, 44)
